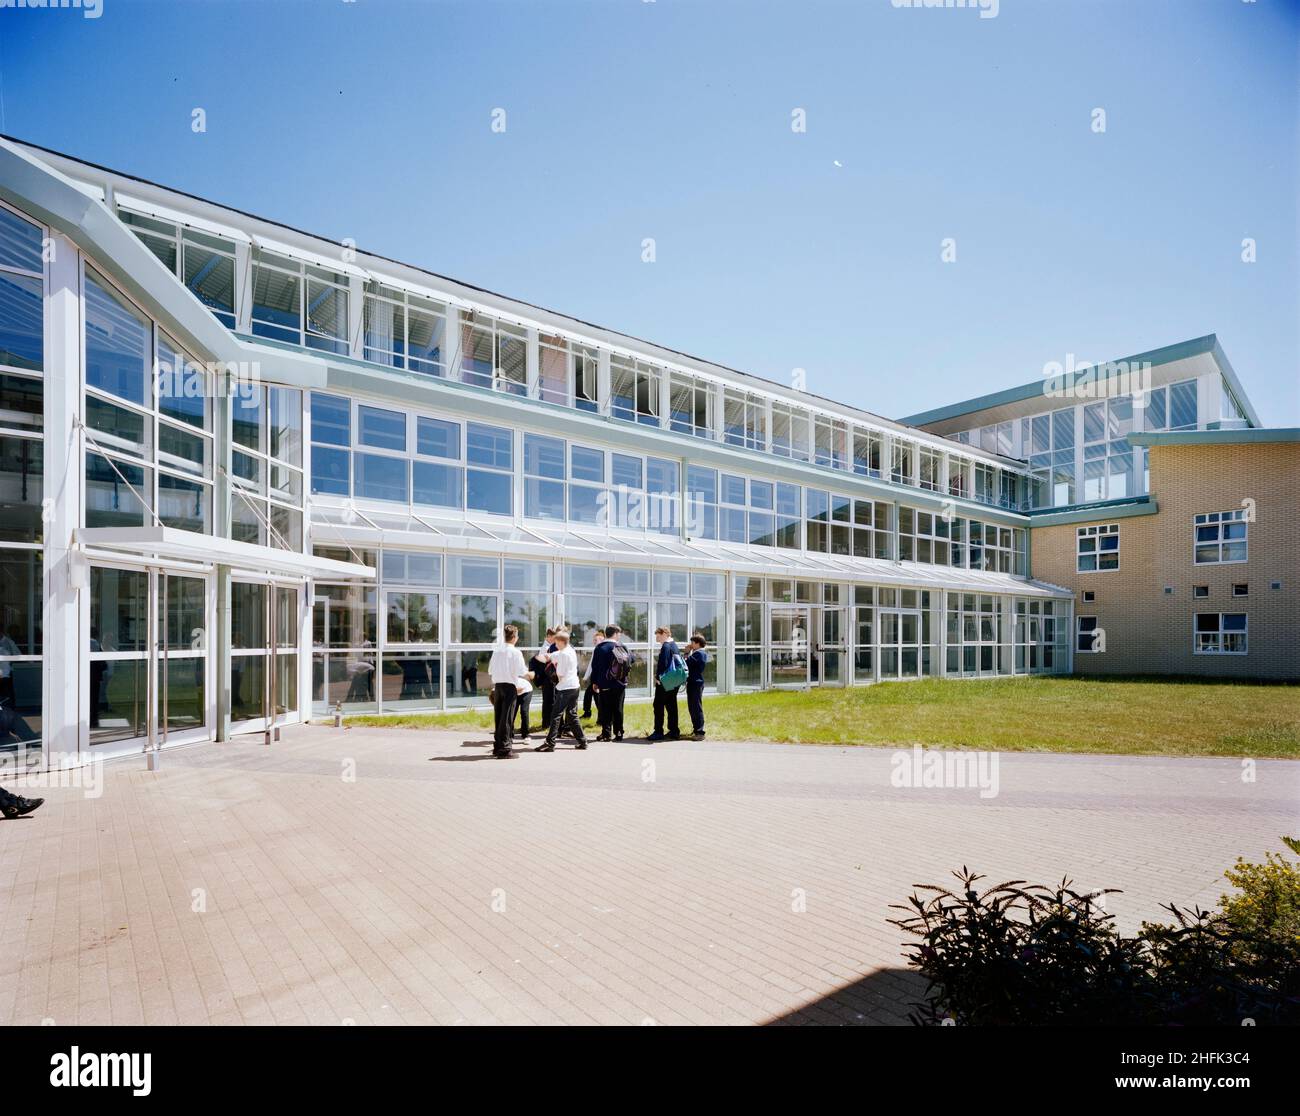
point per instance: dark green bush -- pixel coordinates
(1019, 954)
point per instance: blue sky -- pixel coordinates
(671, 119)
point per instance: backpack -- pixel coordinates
(619, 664)
(675, 675)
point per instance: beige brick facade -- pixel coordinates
(1149, 631)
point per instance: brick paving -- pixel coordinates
(398, 877)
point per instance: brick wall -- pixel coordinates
(1149, 631)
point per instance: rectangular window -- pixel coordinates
(543, 477)
(118, 343)
(1200, 590)
(404, 331)
(1098, 548)
(489, 488)
(691, 403)
(866, 453)
(744, 423)
(1241, 589)
(1221, 537)
(634, 391)
(1089, 639)
(379, 478)
(1219, 633)
(381, 429)
(437, 438)
(493, 353)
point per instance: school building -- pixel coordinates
(249, 476)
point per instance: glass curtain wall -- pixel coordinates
(22, 464)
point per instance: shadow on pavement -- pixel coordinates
(882, 999)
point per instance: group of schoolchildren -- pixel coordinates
(553, 670)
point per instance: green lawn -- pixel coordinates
(1039, 714)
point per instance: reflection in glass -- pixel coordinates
(411, 679)
(117, 697)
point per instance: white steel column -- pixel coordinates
(67, 575)
(941, 668)
(532, 362)
(356, 317)
(243, 286)
(602, 381)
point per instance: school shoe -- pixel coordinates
(604, 738)
(509, 753)
(654, 736)
(20, 806)
(549, 746)
(698, 735)
(618, 736)
(673, 736)
(581, 746)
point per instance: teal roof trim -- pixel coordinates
(1216, 437)
(1089, 513)
(1167, 354)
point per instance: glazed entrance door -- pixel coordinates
(789, 657)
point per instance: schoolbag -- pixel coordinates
(675, 675)
(619, 664)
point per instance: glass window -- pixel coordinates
(182, 386)
(379, 478)
(437, 438)
(411, 567)
(488, 492)
(22, 480)
(473, 573)
(1098, 548)
(435, 484)
(488, 445)
(118, 343)
(381, 429)
(1221, 537)
(626, 471)
(412, 617)
(330, 470)
(586, 464)
(1219, 633)
(1182, 405)
(277, 299)
(117, 493)
(20, 243)
(22, 329)
(331, 420)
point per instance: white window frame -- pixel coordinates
(1079, 631)
(1096, 531)
(1217, 521)
(1219, 633)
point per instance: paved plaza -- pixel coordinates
(397, 877)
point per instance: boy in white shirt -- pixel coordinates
(506, 668)
(564, 709)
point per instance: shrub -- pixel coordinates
(1020, 954)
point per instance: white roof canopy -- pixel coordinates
(363, 529)
(168, 542)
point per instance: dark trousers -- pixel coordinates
(587, 699)
(525, 703)
(665, 700)
(564, 714)
(609, 703)
(548, 704)
(695, 705)
(7, 799)
(506, 696)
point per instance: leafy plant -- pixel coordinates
(1021, 954)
